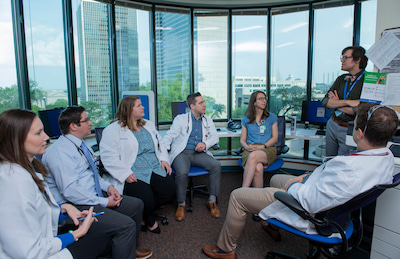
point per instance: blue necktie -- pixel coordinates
(94, 169)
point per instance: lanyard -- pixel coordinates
(352, 86)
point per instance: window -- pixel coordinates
(289, 62)
(45, 53)
(333, 32)
(210, 60)
(249, 56)
(92, 57)
(172, 52)
(8, 75)
(368, 25)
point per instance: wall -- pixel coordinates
(387, 16)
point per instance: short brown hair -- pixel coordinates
(191, 98)
(123, 114)
(380, 127)
(358, 54)
(69, 115)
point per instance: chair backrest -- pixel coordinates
(281, 148)
(98, 133)
(341, 214)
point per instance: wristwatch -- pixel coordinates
(265, 146)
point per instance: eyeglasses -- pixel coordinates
(262, 99)
(84, 121)
(345, 57)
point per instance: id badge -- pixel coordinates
(262, 129)
(338, 113)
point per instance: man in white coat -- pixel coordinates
(331, 184)
(189, 139)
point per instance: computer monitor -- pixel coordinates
(50, 121)
(314, 113)
(179, 108)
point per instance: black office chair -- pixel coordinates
(344, 219)
(281, 147)
(99, 133)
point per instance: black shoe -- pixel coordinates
(256, 218)
(157, 230)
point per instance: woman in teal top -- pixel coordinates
(137, 164)
(259, 135)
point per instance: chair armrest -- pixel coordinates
(292, 204)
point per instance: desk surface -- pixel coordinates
(306, 134)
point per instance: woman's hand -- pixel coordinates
(131, 178)
(165, 166)
(85, 224)
(72, 212)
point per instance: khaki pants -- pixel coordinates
(243, 201)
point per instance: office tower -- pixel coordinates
(172, 46)
(94, 51)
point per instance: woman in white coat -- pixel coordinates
(137, 164)
(29, 214)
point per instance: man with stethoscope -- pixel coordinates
(189, 139)
(344, 97)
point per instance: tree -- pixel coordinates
(287, 101)
(9, 98)
(97, 114)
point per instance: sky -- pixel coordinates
(289, 45)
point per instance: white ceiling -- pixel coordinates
(228, 3)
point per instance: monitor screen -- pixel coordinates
(178, 108)
(315, 113)
(50, 121)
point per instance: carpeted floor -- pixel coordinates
(185, 239)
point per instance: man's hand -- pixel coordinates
(333, 95)
(114, 198)
(165, 166)
(200, 147)
(298, 179)
(131, 178)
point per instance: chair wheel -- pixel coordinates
(190, 209)
(270, 256)
(164, 222)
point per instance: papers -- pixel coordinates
(384, 51)
(392, 96)
(381, 88)
(374, 87)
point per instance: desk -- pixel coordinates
(304, 134)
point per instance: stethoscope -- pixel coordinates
(80, 150)
(207, 126)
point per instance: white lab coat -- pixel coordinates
(119, 148)
(28, 224)
(178, 135)
(335, 183)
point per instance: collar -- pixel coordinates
(73, 139)
(194, 118)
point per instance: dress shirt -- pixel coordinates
(70, 172)
(195, 136)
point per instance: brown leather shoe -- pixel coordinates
(274, 233)
(143, 253)
(212, 206)
(180, 213)
(212, 251)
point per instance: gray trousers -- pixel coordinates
(122, 223)
(336, 139)
(245, 201)
(182, 164)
